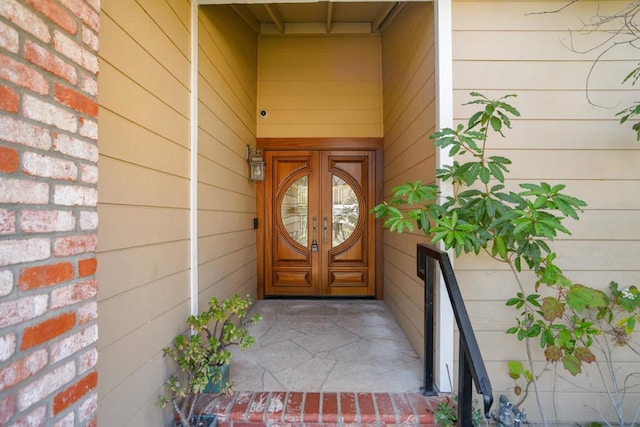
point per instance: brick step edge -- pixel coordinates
(315, 409)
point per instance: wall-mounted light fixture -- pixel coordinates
(256, 164)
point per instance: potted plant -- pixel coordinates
(203, 358)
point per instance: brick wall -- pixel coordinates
(48, 217)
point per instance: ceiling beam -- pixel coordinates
(248, 17)
(377, 22)
(272, 10)
(329, 16)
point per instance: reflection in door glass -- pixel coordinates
(345, 210)
(294, 210)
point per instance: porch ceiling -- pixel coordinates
(290, 17)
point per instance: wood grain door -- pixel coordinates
(320, 236)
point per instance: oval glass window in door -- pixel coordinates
(294, 210)
(345, 210)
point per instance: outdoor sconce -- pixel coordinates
(256, 164)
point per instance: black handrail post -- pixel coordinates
(429, 388)
(465, 383)
(470, 364)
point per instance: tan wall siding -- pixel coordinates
(143, 254)
(409, 118)
(144, 190)
(319, 86)
(499, 49)
(226, 197)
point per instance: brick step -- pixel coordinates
(323, 409)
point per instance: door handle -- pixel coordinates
(314, 242)
(325, 225)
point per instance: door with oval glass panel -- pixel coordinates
(320, 236)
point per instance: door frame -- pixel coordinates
(322, 144)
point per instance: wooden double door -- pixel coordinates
(319, 234)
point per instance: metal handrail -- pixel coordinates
(470, 365)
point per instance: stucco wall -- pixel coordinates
(500, 48)
(408, 58)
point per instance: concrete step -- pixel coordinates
(324, 409)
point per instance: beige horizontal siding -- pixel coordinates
(501, 48)
(226, 197)
(144, 201)
(317, 86)
(409, 118)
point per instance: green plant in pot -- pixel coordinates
(203, 357)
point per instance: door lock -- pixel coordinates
(314, 242)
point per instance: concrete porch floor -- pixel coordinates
(327, 346)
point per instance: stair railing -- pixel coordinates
(470, 365)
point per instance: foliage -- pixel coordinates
(515, 227)
(200, 356)
(446, 413)
(632, 112)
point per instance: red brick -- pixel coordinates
(87, 360)
(93, 422)
(23, 309)
(348, 408)
(49, 167)
(73, 344)
(22, 369)
(330, 408)
(45, 331)
(258, 406)
(89, 174)
(6, 286)
(19, 132)
(9, 158)
(36, 417)
(73, 393)
(19, 15)
(32, 221)
(7, 346)
(45, 275)
(19, 251)
(75, 100)
(9, 99)
(311, 413)
(423, 408)
(7, 222)
(240, 405)
(276, 406)
(88, 15)
(7, 408)
(75, 245)
(23, 76)
(90, 39)
(50, 62)
(87, 267)
(90, 86)
(385, 408)
(72, 294)
(75, 52)
(74, 195)
(44, 385)
(45, 112)
(9, 38)
(87, 408)
(367, 408)
(293, 409)
(87, 313)
(55, 13)
(404, 411)
(75, 147)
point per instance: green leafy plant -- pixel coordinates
(446, 413)
(632, 112)
(200, 356)
(515, 227)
